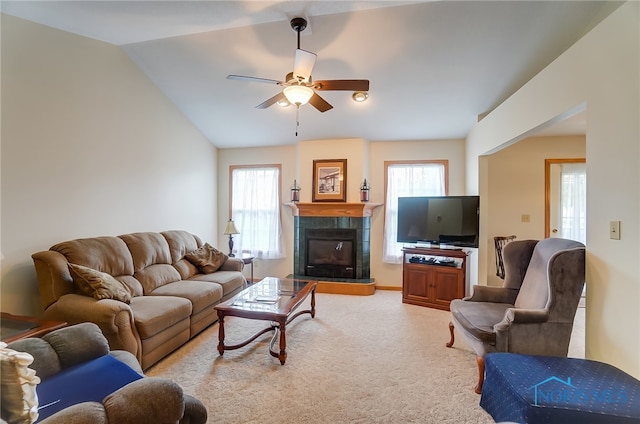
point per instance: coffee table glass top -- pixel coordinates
(270, 294)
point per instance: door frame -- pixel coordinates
(547, 188)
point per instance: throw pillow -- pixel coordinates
(208, 259)
(18, 386)
(98, 284)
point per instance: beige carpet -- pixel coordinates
(363, 359)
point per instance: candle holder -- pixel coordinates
(295, 192)
(364, 191)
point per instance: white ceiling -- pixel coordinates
(433, 66)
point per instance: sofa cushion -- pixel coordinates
(105, 254)
(201, 294)
(45, 359)
(77, 343)
(98, 284)
(153, 314)
(478, 318)
(151, 260)
(181, 243)
(208, 259)
(229, 280)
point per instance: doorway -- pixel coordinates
(565, 216)
(566, 199)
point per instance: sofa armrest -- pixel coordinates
(114, 318)
(232, 264)
(150, 400)
(81, 413)
(54, 279)
(493, 294)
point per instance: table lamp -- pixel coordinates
(230, 231)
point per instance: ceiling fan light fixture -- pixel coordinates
(298, 94)
(360, 96)
(283, 103)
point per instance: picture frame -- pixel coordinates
(329, 180)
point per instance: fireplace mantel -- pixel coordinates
(333, 209)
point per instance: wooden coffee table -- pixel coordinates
(272, 299)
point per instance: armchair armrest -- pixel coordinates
(493, 294)
(522, 316)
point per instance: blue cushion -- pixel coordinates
(544, 389)
(90, 381)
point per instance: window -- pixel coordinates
(405, 179)
(255, 209)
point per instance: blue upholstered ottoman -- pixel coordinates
(545, 389)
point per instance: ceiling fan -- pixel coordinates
(299, 88)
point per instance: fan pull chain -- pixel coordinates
(297, 117)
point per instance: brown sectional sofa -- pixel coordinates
(171, 299)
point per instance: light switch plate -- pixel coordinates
(614, 230)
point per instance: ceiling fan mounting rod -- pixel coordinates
(298, 25)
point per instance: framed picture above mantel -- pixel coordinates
(329, 180)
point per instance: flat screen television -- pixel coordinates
(450, 220)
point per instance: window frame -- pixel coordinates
(387, 164)
(275, 166)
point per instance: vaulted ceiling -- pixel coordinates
(434, 66)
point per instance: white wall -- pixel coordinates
(277, 155)
(390, 275)
(602, 73)
(364, 160)
(89, 147)
(515, 186)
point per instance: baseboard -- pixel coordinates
(393, 288)
(334, 287)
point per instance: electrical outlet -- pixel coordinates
(525, 218)
(614, 230)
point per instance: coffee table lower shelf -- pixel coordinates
(290, 294)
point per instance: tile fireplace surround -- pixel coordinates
(331, 216)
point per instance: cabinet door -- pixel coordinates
(416, 282)
(449, 285)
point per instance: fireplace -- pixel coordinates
(332, 248)
(330, 253)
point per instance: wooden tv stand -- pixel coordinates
(429, 278)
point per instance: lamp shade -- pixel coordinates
(231, 228)
(298, 94)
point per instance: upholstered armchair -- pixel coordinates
(79, 380)
(533, 312)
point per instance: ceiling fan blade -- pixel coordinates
(319, 103)
(254, 79)
(348, 85)
(303, 64)
(271, 101)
